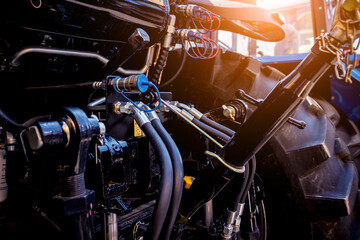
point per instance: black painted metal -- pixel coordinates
(277, 107)
(104, 20)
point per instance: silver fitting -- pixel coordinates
(185, 9)
(228, 228)
(140, 116)
(169, 32)
(99, 85)
(183, 33)
(184, 113)
(197, 114)
(151, 115)
(102, 127)
(122, 107)
(10, 142)
(229, 112)
(237, 222)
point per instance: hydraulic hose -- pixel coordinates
(160, 65)
(252, 166)
(216, 125)
(206, 120)
(8, 124)
(211, 130)
(247, 180)
(178, 170)
(173, 78)
(166, 187)
(243, 179)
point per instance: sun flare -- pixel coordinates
(274, 4)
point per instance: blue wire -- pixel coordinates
(141, 109)
(187, 52)
(203, 31)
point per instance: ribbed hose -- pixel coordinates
(216, 125)
(8, 124)
(160, 65)
(211, 130)
(72, 186)
(178, 170)
(166, 183)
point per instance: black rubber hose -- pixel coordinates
(160, 65)
(216, 125)
(242, 180)
(172, 79)
(252, 167)
(211, 130)
(178, 170)
(166, 183)
(10, 125)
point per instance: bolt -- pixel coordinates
(228, 229)
(139, 39)
(116, 108)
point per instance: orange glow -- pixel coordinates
(275, 4)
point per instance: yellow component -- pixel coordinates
(137, 130)
(350, 5)
(188, 181)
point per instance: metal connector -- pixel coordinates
(228, 228)
(184, 113)
(196, 113)
(169, 32)
(186, 9)
(140, 116)
(177, 111)
(151, 115)
(239, 213)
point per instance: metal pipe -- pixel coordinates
(83, 54)
(111, 230)
(94, 106)
(232, 168)
(208, 207)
